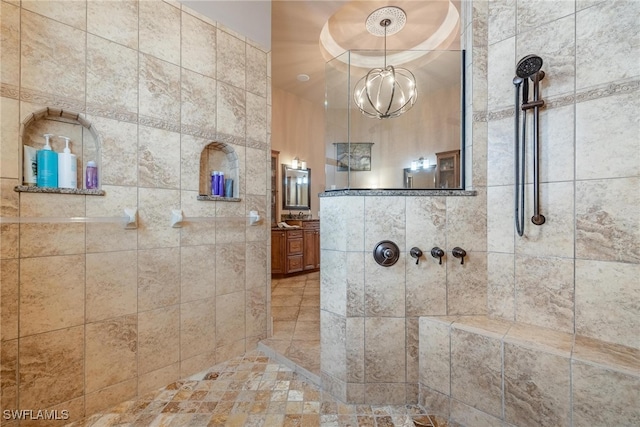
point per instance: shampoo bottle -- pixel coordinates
(91, 178)
(67, 167)
(228, 187)
(30, 166)
(214, 183)
(47, 165)
(221, 184)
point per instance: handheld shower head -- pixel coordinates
(528, 66)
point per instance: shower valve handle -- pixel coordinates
(437, 253)
(459, 253)
(416, 253)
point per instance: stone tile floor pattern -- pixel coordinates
(252, 390)
(295, 308)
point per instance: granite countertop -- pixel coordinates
(400, 192)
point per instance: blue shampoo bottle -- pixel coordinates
(47, 165)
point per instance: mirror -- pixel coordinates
(295, 188)
(420, 178)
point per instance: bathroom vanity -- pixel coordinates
(295, 250)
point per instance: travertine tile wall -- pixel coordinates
(579, 271)
(575, 274)
(369, 314)
(93, 314)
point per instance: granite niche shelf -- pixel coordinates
(218, 198)
(51, 190)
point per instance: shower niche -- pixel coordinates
(85, 143)
(221, 157)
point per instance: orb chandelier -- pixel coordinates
(389, 91)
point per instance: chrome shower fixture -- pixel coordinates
(528, 68)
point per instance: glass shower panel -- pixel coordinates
(369, 153)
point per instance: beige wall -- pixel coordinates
(298, 130)
(93, 314)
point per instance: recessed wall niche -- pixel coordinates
(218, 156)
(84, 143)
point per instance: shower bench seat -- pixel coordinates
(477, 370)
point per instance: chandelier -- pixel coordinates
(389, 91)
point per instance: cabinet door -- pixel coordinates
(310, 249)
(448, 169)
(278, 251)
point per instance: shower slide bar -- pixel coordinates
(129, 220)
(527, 68)
(178, 219)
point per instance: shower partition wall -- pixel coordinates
(369, 153)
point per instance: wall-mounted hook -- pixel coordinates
(254, 218)
(176, 218)
(437, 253)
(416, 253)
(459, 253)
(131, 218)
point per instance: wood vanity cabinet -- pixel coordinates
(295, 250)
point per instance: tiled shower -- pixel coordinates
(93, 314)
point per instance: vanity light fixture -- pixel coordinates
(421, 163)
(294, 162)
(389, 91)
(303, 165)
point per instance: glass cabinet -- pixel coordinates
(448, 169)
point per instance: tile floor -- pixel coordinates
(252, 390)
(295, 308)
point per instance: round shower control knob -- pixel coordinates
(386, 253)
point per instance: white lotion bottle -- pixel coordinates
(67, 167)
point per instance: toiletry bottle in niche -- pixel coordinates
(30, 166)
(47, 164)
(221, 185)
(228, 187)
(215, 178)
(91, 176)
(67, 167)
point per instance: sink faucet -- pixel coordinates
(300, 214)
